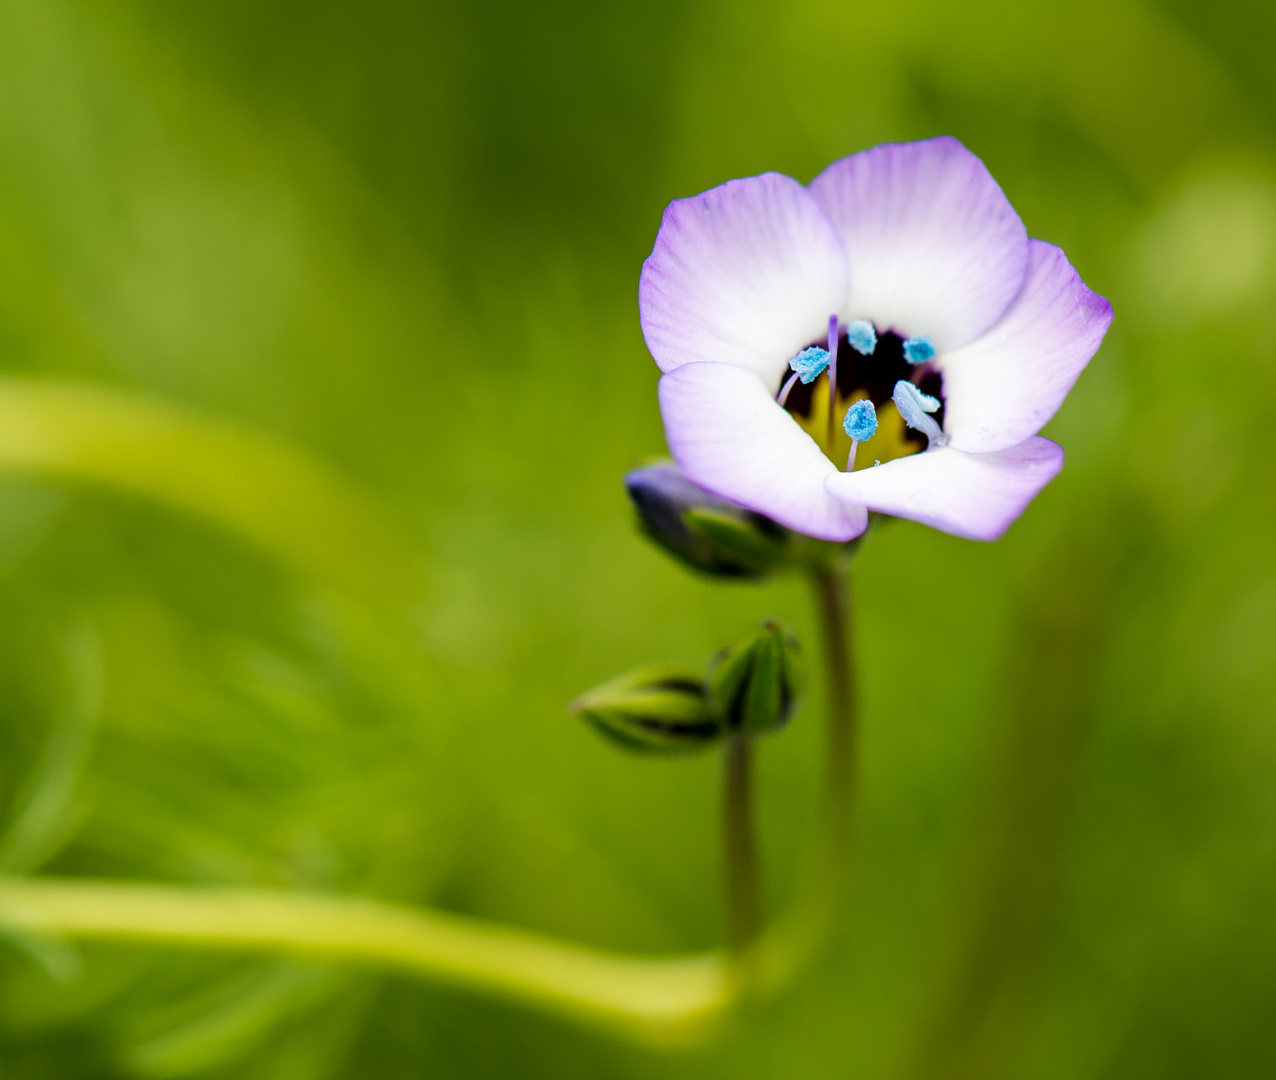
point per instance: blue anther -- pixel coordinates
(861, 421)
(862, 336)
(810, 362)
(928, 404)
(917, 350)
(913, 406)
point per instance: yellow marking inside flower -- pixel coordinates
(889, 442)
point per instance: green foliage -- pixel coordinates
(322, 369)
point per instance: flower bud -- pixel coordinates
(703, 531)
(756, 683)
(655, 710)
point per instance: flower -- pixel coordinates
(909, 268)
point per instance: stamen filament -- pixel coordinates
(783, 396)
(850, 460)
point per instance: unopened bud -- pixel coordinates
(702, 530)
(756, 683)
(655, 710)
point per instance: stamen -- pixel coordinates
(810, 363)
(862, 336)
(929, 404)
(861, 421)
(917, 350)
(860, 424)
(913, 406)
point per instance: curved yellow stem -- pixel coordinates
(658, 1000)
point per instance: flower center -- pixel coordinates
(866, 367)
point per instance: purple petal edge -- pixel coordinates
(746, 273)
(1009, 383)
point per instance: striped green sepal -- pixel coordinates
(756, 683)
(654, 710)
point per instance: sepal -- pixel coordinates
(654, 710)
(757, 683)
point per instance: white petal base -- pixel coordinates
(729, 436)
(976, 496)
(935, 247)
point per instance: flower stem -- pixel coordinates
(832, 593)
(739, 850)
(790, 944)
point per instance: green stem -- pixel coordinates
(832, 593)
(656, 1000)
(791, 944)
(740, 855)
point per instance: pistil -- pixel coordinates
(832, 350)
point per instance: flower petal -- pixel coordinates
(1004, 386)
(976, 496)
(934, 246)
(747, 273)
(729, 436)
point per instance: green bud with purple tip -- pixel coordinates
(705, 532)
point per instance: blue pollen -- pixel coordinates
(862, 336)
(913, 406)
(810, 362)
(928, 403)
(917, 350)
(861, 421)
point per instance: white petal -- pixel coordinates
(977, 496)
(729, 436)
(1003, 387)
(934, 245)
(746, 273)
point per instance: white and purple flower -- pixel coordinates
(901, 277)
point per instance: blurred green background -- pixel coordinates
(385, 255)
